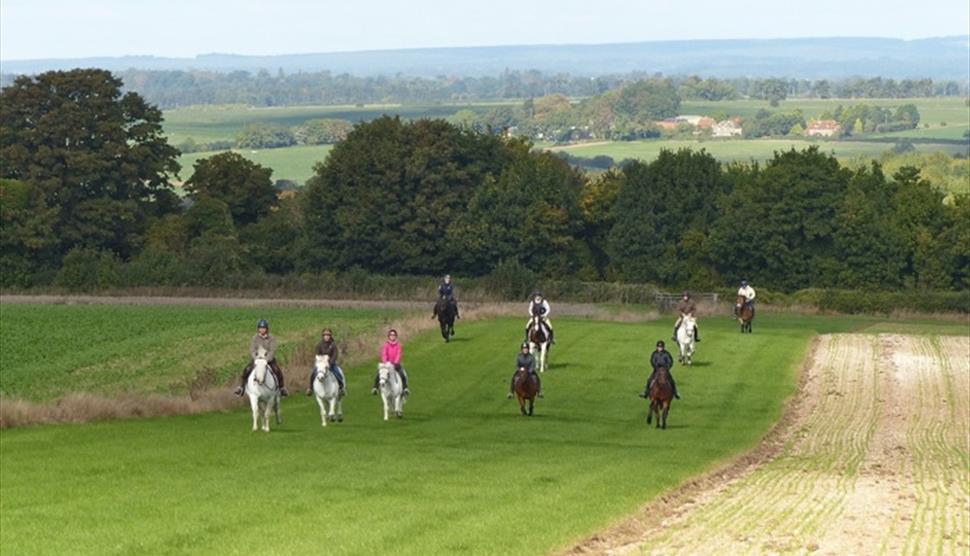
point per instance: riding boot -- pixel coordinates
(377, 382)
(512, 386)
(278, 373)
(538, 386)
(697, 336)
(673, 386)
(552, 336)
(674, 335)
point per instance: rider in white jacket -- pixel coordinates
(539, 306)
(748, 293)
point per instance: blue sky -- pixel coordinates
(180, 28)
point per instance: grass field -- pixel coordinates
(115, 349)
(743, 150)
(463, 472)
(290, 163)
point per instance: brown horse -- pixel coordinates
(661, 392)
(526, 387)
(744, 312)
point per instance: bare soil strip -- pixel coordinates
(875, 460)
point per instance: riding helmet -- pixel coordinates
(262, 324)
(661, 344)
(686, 294)
(744, 282)
(525, 345)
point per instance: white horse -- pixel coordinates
(685, 339)
(536, 330)
(326, 390)
(263, 391)
(392, 389)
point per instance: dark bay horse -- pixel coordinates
(661, 392)
(744, 312)
(526, 387)
(444, 309)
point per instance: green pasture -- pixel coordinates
(290, 163)
(462, 472)
(51, 350)
(728, 150)
(223, 122)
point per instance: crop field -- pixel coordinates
(115, 349)
(223, 122)
(462, 472)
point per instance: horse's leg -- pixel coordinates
(521, 403)
(532, 404)
(255, 405)
(269, 407)
(650, 412)
(276, 410)
(323, 409)
(666, 411)
(384, 397)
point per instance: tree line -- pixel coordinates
(171, 89)
(86, 198)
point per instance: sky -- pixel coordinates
(32, 29)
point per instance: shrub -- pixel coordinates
(510, 279)
(87, 269)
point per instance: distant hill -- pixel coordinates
(940, 58)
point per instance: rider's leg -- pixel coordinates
(512, 385)
(538, 384)
(377, 382)
(673, 385)
(404, 377)
(552, 333)
(278, 372)
(697, 335)
(676, 326)
(244, 377)
(454, 305)
(313, 377)
(646, 389)
(339, 374)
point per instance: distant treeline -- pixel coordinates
(171, 89)
(86, 202)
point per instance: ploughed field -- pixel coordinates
(462, 472)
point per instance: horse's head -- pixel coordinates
(384, 371)
(322, 365)
(689, 323)
(259, 366)
(739, 302)
(663, 375)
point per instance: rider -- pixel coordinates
(391, 353)
(538, 306)
(660, 358)
(262, 339)
(328, 346)
(525, 359)
(447, 289)
(684, 308)
(748, 293)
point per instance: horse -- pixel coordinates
(661, 392)
(326, 390)
(263, 391)
(445, 310)
(538, 341)
(526, 387)
(744, 312)
(685, 339)
(392, 389)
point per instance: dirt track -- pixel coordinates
(875, 458)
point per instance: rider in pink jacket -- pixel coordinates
(391, 353)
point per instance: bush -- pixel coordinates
(510, 279)
(862, 301)
(87, 269)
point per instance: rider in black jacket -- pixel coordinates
(660, 358)
(525, 359)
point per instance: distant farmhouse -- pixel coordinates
(727, 128)
(823, 128)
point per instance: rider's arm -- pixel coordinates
(545, 305)
(753, 293)
(253, 347)
(271, 349)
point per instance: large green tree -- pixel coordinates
(662, 214)
(244, 186)
(384, 197)
(95, 158)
